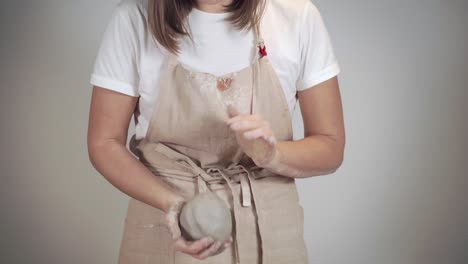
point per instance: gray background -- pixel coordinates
(399, 196)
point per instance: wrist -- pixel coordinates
(174, 204)
(277, 164)
(263, 152)
(273, 161)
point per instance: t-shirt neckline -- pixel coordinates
(207, 15)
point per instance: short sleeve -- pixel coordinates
(318, 62)
(116, 64)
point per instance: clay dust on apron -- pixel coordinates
(190, 146)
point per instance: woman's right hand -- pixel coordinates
(199, 249)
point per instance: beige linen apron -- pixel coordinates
(191, 147)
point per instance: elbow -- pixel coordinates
(93, 152)
(335, 154)
(96, 150)
(330, 170)
(337, 161)
(326, 171)
(329, 166)
(339, 157)
(99, 149)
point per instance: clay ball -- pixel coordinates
(206, 215)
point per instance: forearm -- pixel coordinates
(311, 156)
(113, 160)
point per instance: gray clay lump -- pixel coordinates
(206, 215)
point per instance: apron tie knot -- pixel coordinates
(245, 176)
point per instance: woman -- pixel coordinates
(212, 85)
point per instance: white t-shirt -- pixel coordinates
(296, 39)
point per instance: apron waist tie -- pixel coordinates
(204, 177)
(246, 198)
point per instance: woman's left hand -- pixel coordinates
(254, 135)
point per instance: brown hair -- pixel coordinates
(167, 18)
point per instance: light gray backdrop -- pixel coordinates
(399, 197)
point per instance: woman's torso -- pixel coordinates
(218, 49)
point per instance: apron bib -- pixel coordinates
(191, 147)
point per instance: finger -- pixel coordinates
(235, 119)
(209, 251)
(191, 247)
(256, 133)
(246, 124)
(232, 111)
(225, 245)
(271, 139)
(180, 244)
(194, 247)
(240, 116)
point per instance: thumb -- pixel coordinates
(232, 111)
(173, 224)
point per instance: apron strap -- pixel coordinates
(202, 185)
(259, 42)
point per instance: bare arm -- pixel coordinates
(321, 150)
(109, 119)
